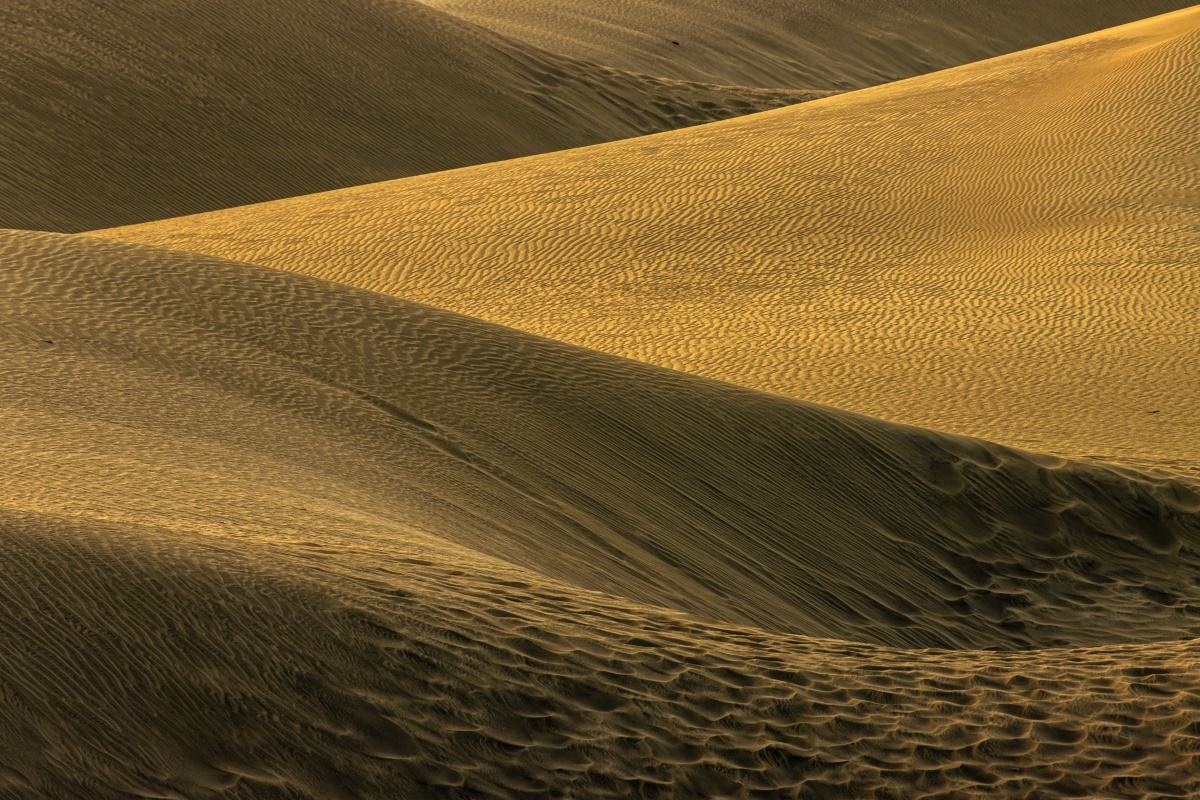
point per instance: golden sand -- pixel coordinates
(1006, 249)
(115, 114)
(278, 521)
(272, 535)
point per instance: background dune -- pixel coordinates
(1006, 249)
(348, 546)
(829, 44)
(149, 109)
(116, 114)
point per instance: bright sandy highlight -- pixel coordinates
(1007, 249)
(346, 546)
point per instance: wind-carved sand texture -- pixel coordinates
(378, 549)
(125, 112)
(823, 44)
(638, 470)
(1007, 249)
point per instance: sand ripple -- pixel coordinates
(609, 474)
(843, 44)
(1007, 249)
(120, 113)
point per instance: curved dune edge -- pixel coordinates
(224, 386)
(842, 44)
(268, 502)
(1006, 249)
(123, 113)
(263, 676)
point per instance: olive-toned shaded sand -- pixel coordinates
(116, 113)
(266, 533)
(1007, 249)
(268, 536)
(124, 112)
(833, 44)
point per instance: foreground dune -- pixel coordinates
(347, 546)
(1006, 249)
(119, 113)
(264, 676)
(834, 44)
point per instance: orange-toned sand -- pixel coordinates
(1007, 249)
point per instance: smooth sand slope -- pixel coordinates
(1009, 249)
(123, 112)
(276, 537)
(834, 44)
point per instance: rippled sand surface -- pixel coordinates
(345, 545)
(833, 44)
(844, 450)
(1007, 249)
(124, 112)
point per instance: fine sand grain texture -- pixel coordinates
(835, 44)
(123, 112)
(1008, 249)
(267, 536)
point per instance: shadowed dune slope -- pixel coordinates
(119, 113)
(384, 669)
(338, 542)
(610, 474)
(1008, 249)
(834, 44)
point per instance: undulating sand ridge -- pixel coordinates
(607, 473)
(120, 113)
(1008, 249)
(835, 44)
(405, 671)
(348, 546)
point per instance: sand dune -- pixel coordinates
(835, 44)
(271, 527)
(259, 676)
(349, 546)
(119, 113)
(1006, 249)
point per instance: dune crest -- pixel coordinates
(1005, 249)
(349, 546)
(613, 475)
(829, 44)
(120, 113)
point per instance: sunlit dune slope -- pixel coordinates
(1008, 249)
(841, 44)
(606, 473)
(346, 546)
(123, 112)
